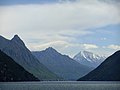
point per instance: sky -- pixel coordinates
(69, 26)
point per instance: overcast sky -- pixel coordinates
(69, 26)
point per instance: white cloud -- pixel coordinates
(103, 38)
(65, 47)
(54, 44)
(90, 46)
(115, 47)
(57, 17)
(57, 24)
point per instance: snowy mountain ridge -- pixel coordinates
(89, 58)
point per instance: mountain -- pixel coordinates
(61, 65)
(89, 59)
(109, 70)
(11, 71)
(16, 49)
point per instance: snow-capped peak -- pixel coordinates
(89, 58)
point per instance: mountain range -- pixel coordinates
(16, 49)
(18, 63)
(61, 65)
(89, 59)
(11, 71)
(109, 70)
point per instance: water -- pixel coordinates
(60, 85)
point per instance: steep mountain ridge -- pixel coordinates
(11, 71)
(16, 49)
(61, 65)
(17, 39)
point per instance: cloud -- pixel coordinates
(65, 47)
(115, 47)
(57, 17)
(54, 44)
(103, 39)
(57, 24)
(90, 46)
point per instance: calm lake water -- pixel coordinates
(60, 85)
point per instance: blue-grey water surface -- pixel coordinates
(61, 85)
